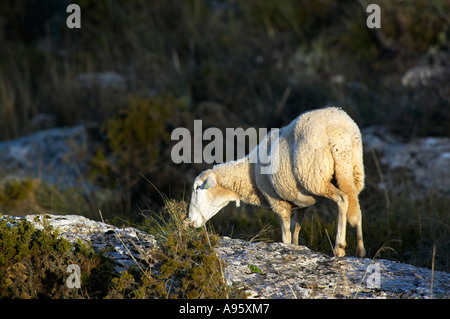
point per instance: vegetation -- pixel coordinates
(33, 263)
(255, 269)
(187, 266)
(230, 63)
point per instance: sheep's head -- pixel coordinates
(208, 197)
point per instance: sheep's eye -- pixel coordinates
(204, 185)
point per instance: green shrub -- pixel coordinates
(33, 264)
(25, 196)
(138, 140)
(13, 191)
(255, 269)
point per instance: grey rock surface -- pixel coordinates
(126, 246)
(433, 70)
(290, 271)
(105, 80)
(426, 76)
(276, 270)
(56, 156)
(424, 161)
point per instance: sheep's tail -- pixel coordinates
(349, 173)
(358, 166)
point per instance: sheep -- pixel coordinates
(316, 148)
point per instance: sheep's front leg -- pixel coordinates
(296, 224)
(285, 220)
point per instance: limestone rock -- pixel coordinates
(432, 71)
(276, 270)
(290, 271)
(57, 156)
(426, 76)
(126, 246)
(105, 80)
(423, 161)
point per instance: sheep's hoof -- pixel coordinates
(339, 251)
(360, 252)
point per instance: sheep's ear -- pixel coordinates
(209, 182)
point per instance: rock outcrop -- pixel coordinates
(126, 246)
(56, 156)
(432, 71)
(270, 270)
(278, 270)
(104, 80)
(424, 162)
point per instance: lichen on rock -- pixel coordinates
(284, 270)
(290, 271)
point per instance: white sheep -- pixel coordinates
(309, 152)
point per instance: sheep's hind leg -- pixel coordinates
(341, 199)
(360, 250)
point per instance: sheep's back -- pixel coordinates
(306, 164)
